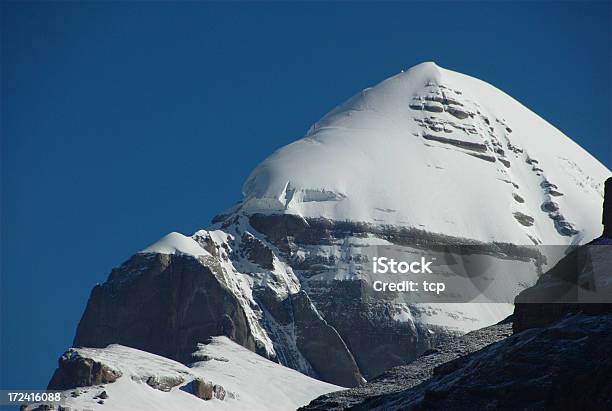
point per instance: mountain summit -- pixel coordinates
(433, 148)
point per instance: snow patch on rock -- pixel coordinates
(239, 379)
(176, 243)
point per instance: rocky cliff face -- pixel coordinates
(168, 303)
(606, 218)
(557, 357)
(401, 378)
(293, 290)
(580, 282)
(565, 365)
(163, 304)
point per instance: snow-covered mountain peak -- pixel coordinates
(421, 164)
(436, 149)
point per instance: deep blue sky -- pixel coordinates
(124, 121)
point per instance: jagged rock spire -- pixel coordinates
(607, 209)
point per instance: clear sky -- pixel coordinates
(124, 121)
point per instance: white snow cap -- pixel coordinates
(176, 243)
(435, 149)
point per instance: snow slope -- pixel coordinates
(251, 382)
(435, 148)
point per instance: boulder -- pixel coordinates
(75, 370)
(205, 390)
(163, 382)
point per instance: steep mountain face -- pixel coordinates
(564, 365)
(182, 290)
(401, 378)
(425, 161)
(557, 358)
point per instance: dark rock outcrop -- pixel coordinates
(163, 382)
(563, 366)
(524, 219)
(433, 107)
(563, 290)
(359, 316)
(457, 112)
(205, 390)
(163, 304)
(322, 345)
(402, 377)
(76, 371)
(257, 252)
(607, 209)
(317, 341)
(567, 287)
(458, 143)
(288, 232)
